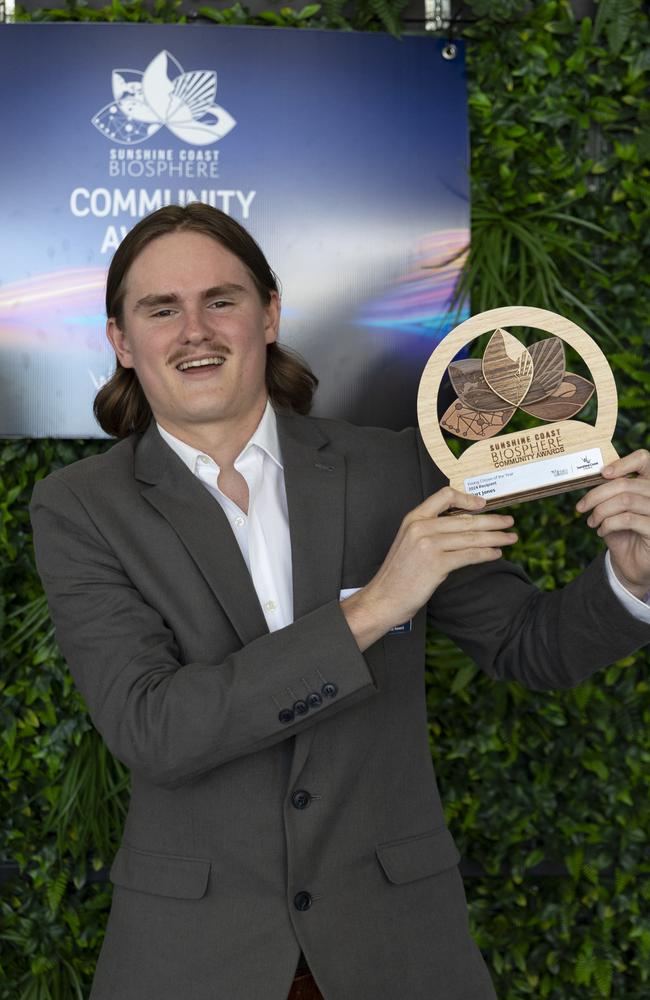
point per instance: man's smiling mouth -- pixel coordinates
(200, 363)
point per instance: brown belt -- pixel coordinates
(304, 986)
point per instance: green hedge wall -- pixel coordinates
(547, 795)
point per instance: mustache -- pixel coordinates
(206, 349)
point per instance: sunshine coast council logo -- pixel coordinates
(164, 95)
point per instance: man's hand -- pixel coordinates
(426, 549)
(620, 511)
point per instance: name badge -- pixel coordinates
(401, 629)
(395, 630)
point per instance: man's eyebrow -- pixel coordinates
(169, 298)
(161, 299)
(228, 288)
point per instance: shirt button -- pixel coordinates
(239, 521)
(203, 459)
(302, 901)
(270, 606)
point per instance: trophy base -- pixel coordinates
(550, 490)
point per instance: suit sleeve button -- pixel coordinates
(285, 715)
(314, 700)
(300, 707)
(302, 901)
(300, 799)
(329, 689)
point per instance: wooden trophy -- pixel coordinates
(561, 455)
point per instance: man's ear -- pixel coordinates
(272, 319)
(120, 343)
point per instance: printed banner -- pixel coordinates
(345, 154)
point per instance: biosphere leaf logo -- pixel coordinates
(164, 95)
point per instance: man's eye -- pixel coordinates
(220, 303)
(161, 313)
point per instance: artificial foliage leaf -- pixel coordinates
(617, 18)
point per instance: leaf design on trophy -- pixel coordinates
(471, 388)
(548, 369)
(533, 379)
(507, 367)
(567, 400)
(475, 425)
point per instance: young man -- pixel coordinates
(224, 582)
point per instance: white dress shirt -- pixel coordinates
(263, 533)
(639, 608)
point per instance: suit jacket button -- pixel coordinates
(329, 689)
(302, 901)
(314, 700)
(285, 715)
(300, 707)
(300, 799)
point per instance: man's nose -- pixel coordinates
(195, 328)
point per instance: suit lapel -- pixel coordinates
(202, 526)
(315, 484)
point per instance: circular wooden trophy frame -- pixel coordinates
(572, 437)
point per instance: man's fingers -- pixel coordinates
(464, 523)
(443, 500)
(471, 557)
(476, 540)
(636, 461)
(627, 501)
(485, 531)
(625, 521)
(623, 488)
(464, 527)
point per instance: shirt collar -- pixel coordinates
(265, 438)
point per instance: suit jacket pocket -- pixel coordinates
(160, 874)
(418, 857)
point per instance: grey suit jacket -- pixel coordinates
(256, 828)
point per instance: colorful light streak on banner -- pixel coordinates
(420, 300)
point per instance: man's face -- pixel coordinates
(188, 299)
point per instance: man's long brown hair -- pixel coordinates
(120, 405)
